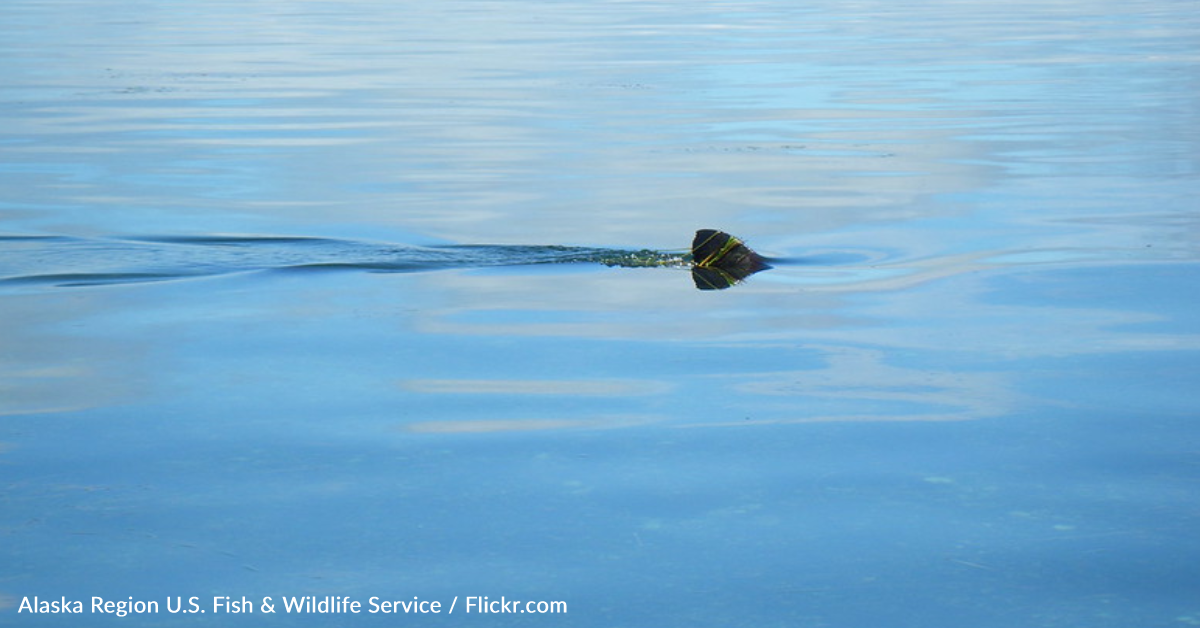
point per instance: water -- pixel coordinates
(967, 400)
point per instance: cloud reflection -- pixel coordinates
(594, 388)
(857, 384)
(483, 426)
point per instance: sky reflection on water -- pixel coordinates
(965, 397)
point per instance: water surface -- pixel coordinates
(969, 400)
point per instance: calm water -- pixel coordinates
(968, 399)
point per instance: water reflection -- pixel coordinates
(51, 362)
(979, 211)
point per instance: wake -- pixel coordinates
(717, 259)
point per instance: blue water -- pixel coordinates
(967, 398)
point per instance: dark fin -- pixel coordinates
(721, 260)
(707, 244)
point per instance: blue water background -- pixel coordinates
(970, 398)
